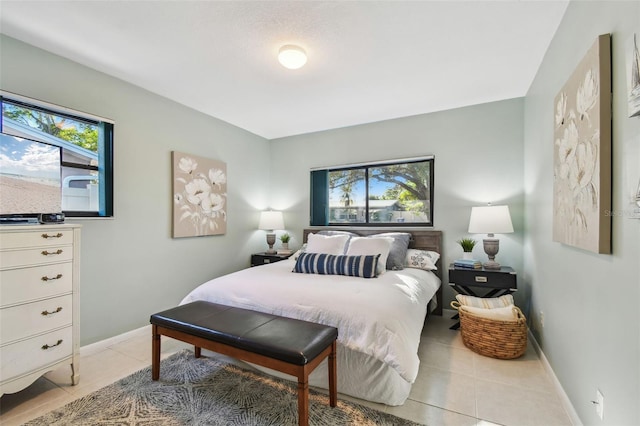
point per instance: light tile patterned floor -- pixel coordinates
(454, 386)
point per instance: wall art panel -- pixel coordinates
(199, 196)
(582, 153)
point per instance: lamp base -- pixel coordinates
(271, 240)
(491, 248)
(491, 265)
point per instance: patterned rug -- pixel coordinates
(206, 391)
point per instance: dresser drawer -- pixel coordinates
(29, 257)
(41, 238)
(22, 321)
(483, 278)
(22, 357)
(38, 282)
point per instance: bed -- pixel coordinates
(379, 319)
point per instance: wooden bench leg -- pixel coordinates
(155, 353)
(303, 400)
(333, 376)
(302, 371)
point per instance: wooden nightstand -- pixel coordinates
(263, 258)
(485, 282)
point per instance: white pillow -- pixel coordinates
(421, 259)
(363, 245)
(485, 302)
(301, 250)
(508, 313)
(329, 244)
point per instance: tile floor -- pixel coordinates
(454, 386)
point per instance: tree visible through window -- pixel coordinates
(391, 193)
(87, 146)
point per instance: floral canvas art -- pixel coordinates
(199, 196)
(582, 154)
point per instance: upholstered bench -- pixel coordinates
(287, 345)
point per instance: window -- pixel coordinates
(398, 192)
(87, 150)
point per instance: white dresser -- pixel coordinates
(39, 302)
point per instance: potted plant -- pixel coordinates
(467, 245)
(285, 240)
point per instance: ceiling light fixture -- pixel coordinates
(292, 56)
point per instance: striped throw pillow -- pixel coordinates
(328, 264)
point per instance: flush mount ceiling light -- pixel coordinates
(292, 57)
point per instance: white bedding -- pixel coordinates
(379, 320)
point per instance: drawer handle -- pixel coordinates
(57, 277)
(50, 253)
(45, 313)
(481, 279)
(58, 235)
(45, 346)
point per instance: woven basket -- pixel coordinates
(493, 338)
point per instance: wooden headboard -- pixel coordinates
(422, 239)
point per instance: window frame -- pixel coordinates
(320, 189)
(105, 150)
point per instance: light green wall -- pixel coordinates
(478, 159)
(131, 267)
(591, 334)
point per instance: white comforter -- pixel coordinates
(380, 317)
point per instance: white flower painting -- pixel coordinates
(582, 154)
(199, 196)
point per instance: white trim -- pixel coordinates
(564, 399)
(106, 343)
(54, 107)
(375, 163)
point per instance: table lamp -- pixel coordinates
(490, 220)
(270, 221)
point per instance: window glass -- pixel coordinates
(387, 193)
(400, 193)
(347, 196)
(87, 146)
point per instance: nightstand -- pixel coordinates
(263, 258)
(485, 282)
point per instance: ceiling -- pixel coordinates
(368, 60)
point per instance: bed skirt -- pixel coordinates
(380, 382)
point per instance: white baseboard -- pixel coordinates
(564, 399)
(103, 344)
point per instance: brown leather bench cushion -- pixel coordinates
(286, 339)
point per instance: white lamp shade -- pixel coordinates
(292, 57)
(490, 220)
(271, 220)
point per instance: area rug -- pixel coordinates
(207, 391)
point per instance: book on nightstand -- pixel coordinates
(284, 252)
(467, 263)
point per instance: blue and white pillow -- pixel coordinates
(421, 259)
(328, 264)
